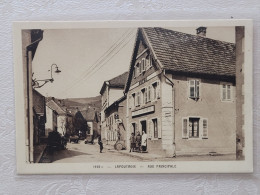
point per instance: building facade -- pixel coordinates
(55, 118)
(240, 48)
(111, 92)
(39, 116)
(181, 92)
(116, 122)
(30, 41)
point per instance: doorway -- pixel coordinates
(143, 127)
(134, 128)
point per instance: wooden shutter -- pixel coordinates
(204, 128)
(197, 89)
(224, 95)
(228, 92)
(149, 93)
(185, 133)
(147, 63)
(158, 90)
(150, 129)
(159, 127)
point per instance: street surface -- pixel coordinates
(81, 152)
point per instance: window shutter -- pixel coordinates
(146, 94)
(185, 128)
(158, 89)
(150, 129)
(192, 88)
(147, 63)
(130, 101)
(149, 93)
(223, 92)
(197, 88)
(204, 128)
(159, 126)
(228, 92)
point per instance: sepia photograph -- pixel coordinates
(133, 97)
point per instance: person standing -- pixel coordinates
(138, 140)
(132, 142)
(100, 143)
(144, 142)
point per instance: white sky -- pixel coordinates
(88, 57)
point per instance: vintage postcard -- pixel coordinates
(133, 96)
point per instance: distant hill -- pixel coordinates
(83, 103)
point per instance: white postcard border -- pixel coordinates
(141, 167)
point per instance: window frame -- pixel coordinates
(201, 135)
(196, 87)
(221, 91)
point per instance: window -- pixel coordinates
(194, 127)
(149, 94)
(194, 89)
(138, 98)
(143, 64)
(144, 95)
(133, 101)
(155, 128)
(156, 90)
(137, 69)
(226, 92)
(148, 62)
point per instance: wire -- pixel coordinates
(107, 56)
(100, 59)
(102, 65)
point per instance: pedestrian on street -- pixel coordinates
(138, 140)
(100, 143)
(132, 142)
(144, 142)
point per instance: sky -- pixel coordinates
(88, 57)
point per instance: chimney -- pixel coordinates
(201, 31)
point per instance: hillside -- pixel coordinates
(83, 103)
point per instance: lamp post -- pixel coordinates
(35, 83)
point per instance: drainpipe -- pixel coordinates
(29, 137)
(172, 84)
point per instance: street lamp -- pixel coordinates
(35, 83)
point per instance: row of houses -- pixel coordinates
(50, 114)
(184, 91)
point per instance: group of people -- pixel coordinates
(139, 142)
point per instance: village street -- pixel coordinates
(83, 153)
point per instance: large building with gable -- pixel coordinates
(181, 90)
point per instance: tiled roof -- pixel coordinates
(89, 115)
(181, 52)
(38, 102)
(117, 82)
(52, 105)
